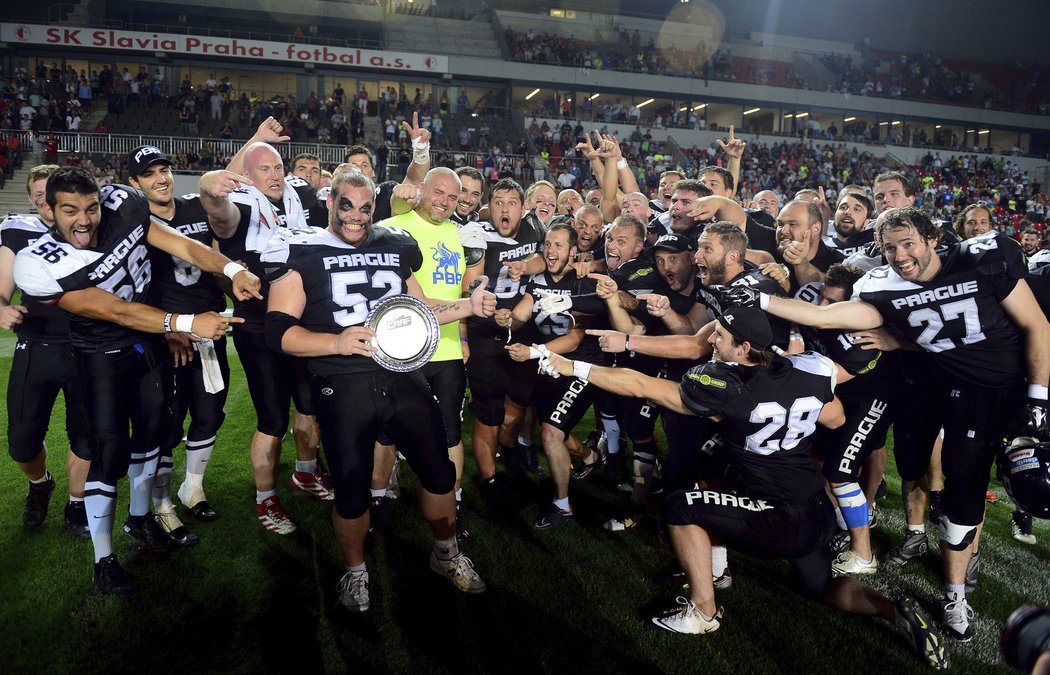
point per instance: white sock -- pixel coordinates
(920, 529)
(99, 501)
(262, 495)
(143, 472)
(43, 479)
(719, 560)
(378, 493)
(357, 568)
(198, 452)
(612, 434)
(459, 495)
(306, 465)
(563, 504)
(75, 499)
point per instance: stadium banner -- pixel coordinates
(221, 47)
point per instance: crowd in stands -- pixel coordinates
(46, 99)
(1017, 87)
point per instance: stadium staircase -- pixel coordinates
(13, 194)
(816, 74)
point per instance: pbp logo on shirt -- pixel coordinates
(447, 271)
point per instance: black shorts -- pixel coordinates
(122, 387)
(694, 452)
(798, 532)
(565, 401)
(448, 382)
(38, 372)
(274, 382)
(637, 416)
(185, 391)
(975, 421)
(844, 449)
(352, 409)
(493, 376)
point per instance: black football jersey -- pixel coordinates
(177, 285)
(118, 264)
(858, 242)
(42, 323)
(549, 326)
(873, 371)
(753, 278)
(343, 282)
(769, 414)
(958, 316)
(500, 249)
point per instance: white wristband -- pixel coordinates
(231, 269)
(581, 370)
(420, 151)
(621, 164)
(535, 353)
(763, 301)
(184, 323)
(1037, 392)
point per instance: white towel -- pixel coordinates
(264, 219)
(213, 383)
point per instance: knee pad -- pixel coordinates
(957, 537)
(24, 445)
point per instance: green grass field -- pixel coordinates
(566, 601)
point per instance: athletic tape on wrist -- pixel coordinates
(763, 301)
(184, 323)
(231, 269)
(1038, 392)
(581, 370)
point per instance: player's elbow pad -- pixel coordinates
(277, 324)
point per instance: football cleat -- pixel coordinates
(913, 545)
(552, 518)
(148, 531)
(584, 470)
(528, 461)
(460, 571)
(353, 591)
(273, 516)
(688, 619)
(111, 579)
(179, 533)
(839, 542)
(920, 631)
(76, 520)
(723, 581)
(849, 562)
(957, 617)
(393, 486)
(1021, 525)
(625, 522)
(196, 503)
(37, 502)
(314, 484)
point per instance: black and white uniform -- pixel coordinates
(274, 380)
(751, 278)
(118, 368)
(42, 365)
(976, 384)
(355, 397)
(866, 398)
(824, 258)
(854, 243)
(777, 507)
(657, 206)
(490, 371)
(181, 288)
(562, 402)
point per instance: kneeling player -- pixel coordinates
(326, 282)
(777, 508)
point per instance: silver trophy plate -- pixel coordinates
(407, 333)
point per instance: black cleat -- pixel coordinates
(111, 579)
(37, 502)
(203, 512)
(914, 545)
(553, 517)
(148, 531)
(177, 532)
(76, 520)
(615, 472)
(920, 631)
(528, 460)
(584, 470)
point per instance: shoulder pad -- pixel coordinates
(707, 388)
(815, 364)
(810, 292)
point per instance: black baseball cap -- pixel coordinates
(142, 157)
(677, 243)
(748, 324)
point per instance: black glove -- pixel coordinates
(1034, 421)
(741, 296)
